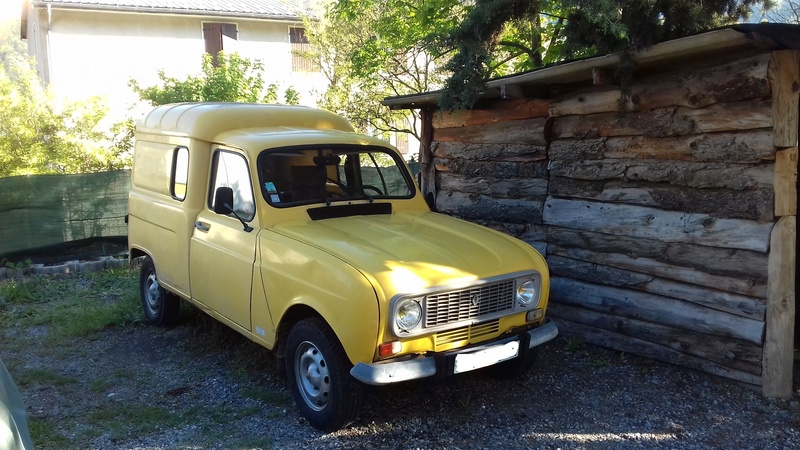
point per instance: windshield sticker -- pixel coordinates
(270, 187)
(275, 198)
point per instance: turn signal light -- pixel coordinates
(390, 348)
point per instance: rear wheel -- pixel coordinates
(160, 307)
(319, 374)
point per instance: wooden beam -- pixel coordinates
(427, 170)
(653, 223)
(786, 182)
(496, 111)
(779, 340)
(784, 78)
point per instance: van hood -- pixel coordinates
(407, 252)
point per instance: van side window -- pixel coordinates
(180, 173)
(231, 170)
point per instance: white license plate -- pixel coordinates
(486, 357)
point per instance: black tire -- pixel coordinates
(516, 367)
(160, 307)
(319, 374)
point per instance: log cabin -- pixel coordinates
(666, 205)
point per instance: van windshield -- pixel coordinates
(293, 176)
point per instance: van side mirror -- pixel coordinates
(223, 201)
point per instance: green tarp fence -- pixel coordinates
(42, 210)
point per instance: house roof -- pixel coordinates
(292, 10)
(743, 38)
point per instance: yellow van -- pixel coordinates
(315, 242)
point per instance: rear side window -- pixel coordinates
(231, 170)
(180, 173)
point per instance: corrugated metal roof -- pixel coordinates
(265, 9)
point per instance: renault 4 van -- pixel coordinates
(315, 242)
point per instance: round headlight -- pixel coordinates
(409, 313)
(526, 292)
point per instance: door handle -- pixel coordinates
(202, 226)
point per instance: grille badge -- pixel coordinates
(475, 299)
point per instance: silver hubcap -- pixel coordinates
(152, 294)
(312, 376)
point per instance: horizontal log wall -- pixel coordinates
(655, 220)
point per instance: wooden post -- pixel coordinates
(779, 340)
(784, 77)
(427, 169)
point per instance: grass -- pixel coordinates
(71, 305)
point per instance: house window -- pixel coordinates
(216, 35)
(300, 50)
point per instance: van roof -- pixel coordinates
(206, 121)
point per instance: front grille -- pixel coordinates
(466, 304)
(470, 333)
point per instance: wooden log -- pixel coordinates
(476, 206)
(752, 287)
(746, 115)
(527, 131)
(739, 80)
(751, 146)
(493, 169)
(494, 112)
(652, 308)
(779, 341)
(652, 223)
(732, 353)
(639, 347)
(679, 173)
(531, 188)
(784, 78)
(484, 152)
(786, 182)
(710, 297)
(753, 204)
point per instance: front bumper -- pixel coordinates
(426, 366)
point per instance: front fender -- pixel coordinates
(295, 273)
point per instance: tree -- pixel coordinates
(787, 12)
(569, 29)
(232, 79)
(42, 134)
(372, 49)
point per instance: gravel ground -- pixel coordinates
(201, 386)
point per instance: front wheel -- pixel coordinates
(318, 371)
(160, 307)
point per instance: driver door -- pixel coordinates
(222, 253)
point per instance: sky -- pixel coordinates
(10, 9)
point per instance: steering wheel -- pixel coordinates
(371, 188)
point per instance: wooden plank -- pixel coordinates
(727, 352)
(742, 79)
(653, 351)
(731, 303)
(495, 112)
(752, 287)
(676, 121)
(784, 78)
(526, 131)
(652, 223)
(779, 341)
(679, 173)
(532, 188)
(483, 152)
(493, 169)
(786, 182)
(653, 308)
(751, 204)
(476, 206)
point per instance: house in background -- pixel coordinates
(95, 47)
